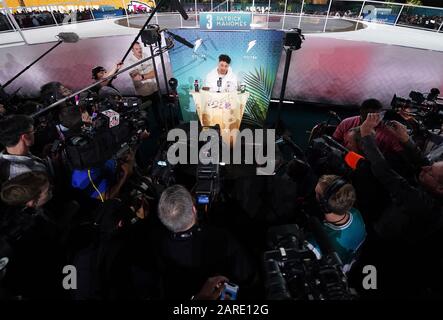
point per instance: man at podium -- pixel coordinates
(222, 78)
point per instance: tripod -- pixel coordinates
(293, 41)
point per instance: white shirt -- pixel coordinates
(228, 80)
(144, 87)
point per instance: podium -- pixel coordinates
(223, 108)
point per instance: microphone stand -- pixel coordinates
(293, 45)
(165, 78)
(158, 86)
(30, 65)
(283, 87)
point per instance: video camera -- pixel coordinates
(208, 178)
(428, 110)
(110, 129)
(293, 272)
(325, 155)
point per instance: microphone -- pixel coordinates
(175, 4)
(180, 39)
(69, 37)
(351, 158)
(219, 83)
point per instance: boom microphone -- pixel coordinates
(180, 39)
(68, 37)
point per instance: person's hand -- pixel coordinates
(86, 118)
(367, 127)
(143, 211)
(144, 134)
(399, 130)
(128, 164)
(119, 65)
(212, 288)
(127, 169)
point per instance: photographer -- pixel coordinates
(34, 238)
(66, 117)
(116, 264)
(383, 137)
(17, 135)
(419, 206)
(189, 253)
(411, 229)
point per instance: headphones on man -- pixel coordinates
(329, 192)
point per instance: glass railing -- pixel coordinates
(310, 15)
(424, 18)
(6, 24)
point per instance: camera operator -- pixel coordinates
(410, 229)
(34, 238)
(343, 223)
(112, 266)
(189, 253)
(418, 208)
(66, 118)
(17, 135)
(384, 138)
(53, 91)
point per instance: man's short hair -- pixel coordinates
(371, 104)
(136, 42)
(225, 58)
(70, 117)
(343, 199)
(12, 127)
(50, 92)
(175, 208)
(26, 187)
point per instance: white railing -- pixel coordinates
(397, 14)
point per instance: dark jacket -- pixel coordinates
(35, 260)
(415, 214)
(188, 261)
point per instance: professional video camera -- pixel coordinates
(428, 110)
(111, 127)
(162, 172)
(208, 177)
(293, 272)
(325, 155)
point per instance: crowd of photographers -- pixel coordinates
(372, 185)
